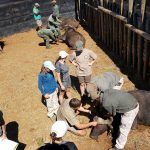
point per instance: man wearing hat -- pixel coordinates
(105, 81)
(53, 24)
(55, 8)
(49, 88)
(37, 16)
(83, 59)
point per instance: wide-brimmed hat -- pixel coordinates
(53, 1)
(63, 54)
(48, 64)
(79, 45)
(92, 91)
(37, 4)
(60, 128)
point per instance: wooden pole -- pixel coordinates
(130, 7)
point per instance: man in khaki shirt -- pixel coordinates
(83, 59)
(68, 112)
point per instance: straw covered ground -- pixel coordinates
(24, 113)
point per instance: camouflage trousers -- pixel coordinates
(47, 38)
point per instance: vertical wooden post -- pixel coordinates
(143, 5)
(139, 53)
(129, 38)
(134, 52)
(145, 58)
(121, 6)
(130, 5)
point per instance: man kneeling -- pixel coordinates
(68, 112)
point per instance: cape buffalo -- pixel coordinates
(69, 22)
(71, 36)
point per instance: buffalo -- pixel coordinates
(69, 22)
(143, 117)
(71, 36)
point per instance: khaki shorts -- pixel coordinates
(84, 79)
(39, 23)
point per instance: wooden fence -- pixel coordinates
(127, 42)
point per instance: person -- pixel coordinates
(58, 131)
(47, 35)
(48, 87)
(55, 8)
(62, 72)
(68, 112)
(116, 101)
(53, 24)
(83, 59)
(37, 16)
(2, 127)
(107, 80)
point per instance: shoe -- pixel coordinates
(47, 47)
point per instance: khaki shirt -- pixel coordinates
(83, 60)
(66, 113)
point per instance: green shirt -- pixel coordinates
(118, 101)
(56, 10)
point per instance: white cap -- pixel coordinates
(63, 54)
(60, 128)
(48, 64)
(37, 4)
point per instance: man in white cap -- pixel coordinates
(37, 16)
(63, 77)
(49, 88)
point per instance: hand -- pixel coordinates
(90, 64)
(56, 90)
(89, 111)
(62, 87)
(46, 96)
(94, 123)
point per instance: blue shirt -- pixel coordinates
(36, 13)
(46, 83)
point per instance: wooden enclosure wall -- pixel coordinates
(132, 45)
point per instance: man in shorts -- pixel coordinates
(68, 112)
(83, 59)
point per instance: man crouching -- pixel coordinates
(68, 112)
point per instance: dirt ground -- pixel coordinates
(20, 101)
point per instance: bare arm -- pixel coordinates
(59, 81)
(91, 63)
(86, 125)
(84, 110)
(74, 63)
